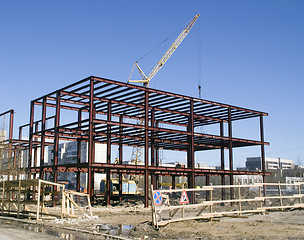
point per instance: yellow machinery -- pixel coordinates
(146, 79)
(129, 187)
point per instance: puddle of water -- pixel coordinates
(116, 230)
(43, 229)
(49, 231)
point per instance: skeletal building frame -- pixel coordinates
(108, 112)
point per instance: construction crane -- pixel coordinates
(137, 151)
(146, 79)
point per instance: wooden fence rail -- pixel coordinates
(173, 205)
(42, 199)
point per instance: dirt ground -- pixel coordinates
(135, 223)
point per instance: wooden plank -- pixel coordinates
(279, 207)
(278, 197)
(3, 195)
(257, 199)
(19, 197)
(90, 206)
(153, 210)
(38, 200)
(63, 203)
(208, 216)
(72, 201)
(188, 206)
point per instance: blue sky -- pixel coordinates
(252, 54)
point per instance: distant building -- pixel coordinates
(255, 163)
(3, 135)
(67, 154)
(247, 179)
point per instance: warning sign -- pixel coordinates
(158, 198)
(184, 198)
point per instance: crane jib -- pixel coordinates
(145, 80)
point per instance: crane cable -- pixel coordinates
(167, 38)
(3, 136)
(199, 59)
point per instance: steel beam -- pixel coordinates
(230, 152)
(42, 150)
(99, 97)
(108, 178)
(31, 137)
(222, 158)
(56, 136)
(91, 152)
(262, 151)
(146, 115)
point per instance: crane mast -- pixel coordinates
(146, 79)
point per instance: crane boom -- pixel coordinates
(145, 80)
(137, 151)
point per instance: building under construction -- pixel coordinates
(97, 110)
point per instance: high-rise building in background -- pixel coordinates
(255, 163)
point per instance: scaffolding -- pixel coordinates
(107, 112)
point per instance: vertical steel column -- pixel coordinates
(156, 186)
(173, 181)
(207, 184)
(152, 147)
(91, 152)
(35, 148)
(120, 156)
(263, 151)
(109, 143)
(20, 132)
(11, 126)
(190, 153)
(42, 145)
(78, 151)
(56, 136)
(146, 147)
(30, 154)
(230, 151)
(222, 158)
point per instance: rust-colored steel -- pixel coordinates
(108, 113)
(91, 142)
(146, 102)
(262, 152)
(56, 135)
(41, 175)
(31, 139)
(230, 152)
(108, 178)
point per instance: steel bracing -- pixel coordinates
(107, 111)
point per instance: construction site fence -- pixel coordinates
(42, 199)
(213, 201)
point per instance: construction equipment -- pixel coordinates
(129, 187)
(137, 151)
(146, 79)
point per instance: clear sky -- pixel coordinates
(245, 53)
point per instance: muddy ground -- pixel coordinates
(134, 222)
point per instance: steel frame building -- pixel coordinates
(108, 112)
